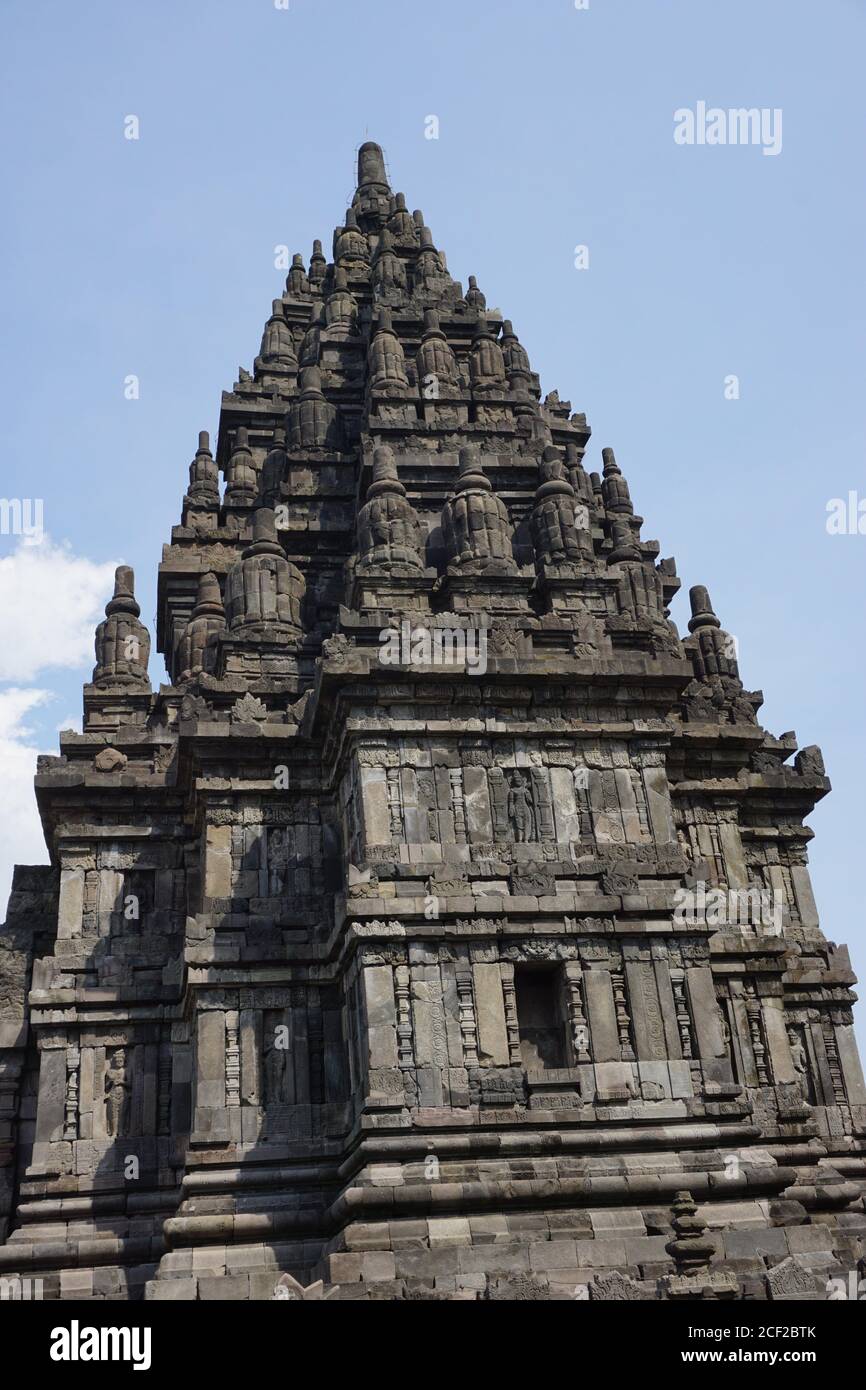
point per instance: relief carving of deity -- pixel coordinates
(520, 811)
(117, 1095)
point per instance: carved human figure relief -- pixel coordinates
(276, 1063)
(117, 1095)
(278, 860)
(520, 811)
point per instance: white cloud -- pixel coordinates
(21, 840)
(50, 602)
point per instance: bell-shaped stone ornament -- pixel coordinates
(122, 642)
(475, 523)
(197, 649)
(389, 535)
(264, 591)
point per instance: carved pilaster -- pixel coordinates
(512, 1027)
(70, 1120)
(576, 1015)
(233, 1060)
(395, 813)
(466, 1007)
(458, 804)
(623, 1022)
(405, 1051)
(684, 1023)
(833, 1063)
(756, 1032)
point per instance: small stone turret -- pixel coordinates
(713, 651)
(428, 273)
(389, 536)
(341, 308)
(474, 298)
(516, 359)
(314, 423)
(435, 361)
(122, 642)
(264, 591)
(486, 363)
(203, 474)
(351, 247)
(387, 365)
(278, 346)
(242, 481)
(372, 201)
(297, 284)
(311, 343)
(614, 488)
(318, 266)
(640, 594)
(197, 648)
(401, 224)
(555, 535)
(475, 523)
(274, 468)
(389, 272)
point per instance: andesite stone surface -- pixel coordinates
(486, 969)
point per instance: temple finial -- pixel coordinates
(702, 609)
(371, 165)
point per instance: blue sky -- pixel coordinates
(155, 257)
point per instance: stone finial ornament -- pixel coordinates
(341, 307)
(435, 361)
(401, 224)
(486, 363)
(241, 477)
(555, 535)
(372, 201)
(689, 1249)
(475, 522)
(386, 363)
(388, 533)
(351, 247)
(278, 345)
(122, 642)
(274, 468)
(203, 474)
(318, 265)
(264, 591)
(389, 271)
(474, 298)
(297, 284)
(713, 650)
(614, 488)
(197, 649)
(313, 421)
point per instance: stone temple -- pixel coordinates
(442, 928)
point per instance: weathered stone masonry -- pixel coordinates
(379, 974)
